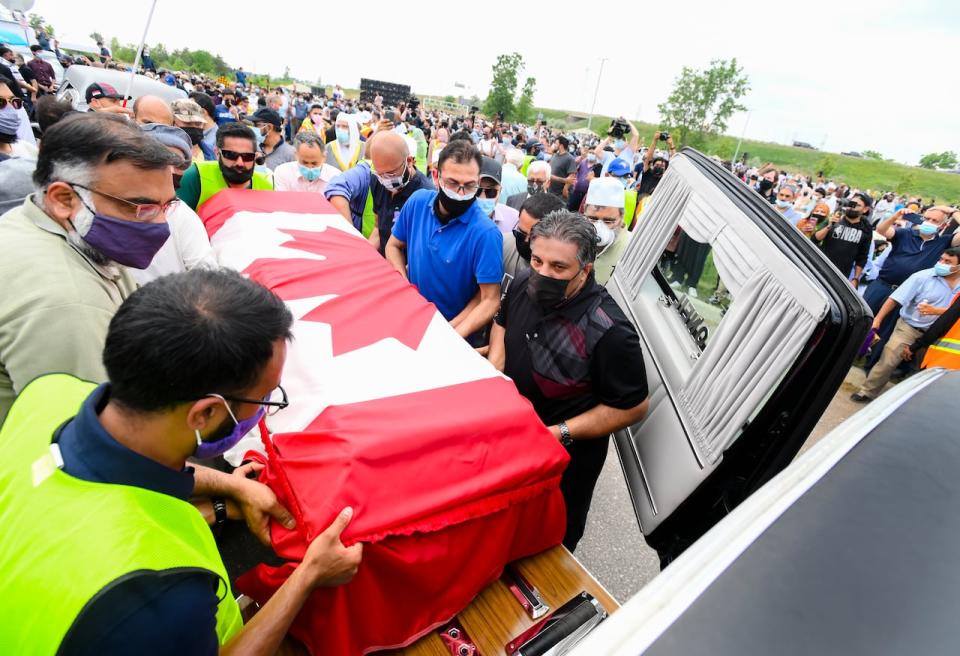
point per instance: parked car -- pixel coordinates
(78, 78)
(803, 144)
(850, 550)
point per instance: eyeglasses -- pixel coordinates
(272, 403)
(609, 221)
(453, 185)
(233, 156)
(145, 212)
(16, 103)
(488, 192)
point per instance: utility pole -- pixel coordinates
(595, 92)
(740, 140)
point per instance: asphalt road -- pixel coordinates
(612, 547)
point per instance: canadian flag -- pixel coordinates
(448, 469)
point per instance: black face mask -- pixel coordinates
(657, 171)
(766, 185)
(453, 208)
(534, 188)
(195, 134)
(523, 245)
(546, 292)
(852, 213)
(233, 176)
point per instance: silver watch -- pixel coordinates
(565, 437)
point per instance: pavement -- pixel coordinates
(612, 547)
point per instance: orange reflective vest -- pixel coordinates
(945, 352)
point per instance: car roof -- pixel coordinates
(862, 559)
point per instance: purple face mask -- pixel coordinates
(128, 243)
(219, 447)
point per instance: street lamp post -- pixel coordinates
(595, 92)
(740, 140)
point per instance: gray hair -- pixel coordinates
(514, 156)
(307, 139)
(571, 227)
(539, 166)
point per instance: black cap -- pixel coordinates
(490, 168)
(267, 115)
(102, 90)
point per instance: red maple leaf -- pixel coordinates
(372, 300)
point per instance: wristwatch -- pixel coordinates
(565, 438)
(219, 511)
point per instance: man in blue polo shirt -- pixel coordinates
(922, 298)
(448, 245)
(911, 250)
(227, 111)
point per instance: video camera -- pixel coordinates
(664, 136)
(618, 128)
(413, 102)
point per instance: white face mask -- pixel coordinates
(605, 233)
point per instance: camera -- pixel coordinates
(413, 102)
(618, 128)
(843, 203)
(664, 136)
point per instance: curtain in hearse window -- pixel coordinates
(764, 307)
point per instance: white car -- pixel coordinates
(78, 78)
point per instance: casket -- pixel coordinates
(448, 469)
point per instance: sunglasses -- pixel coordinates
(16, 103)
(488, 192)
(233, 156)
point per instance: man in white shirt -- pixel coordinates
(309, 172)
(188, 245)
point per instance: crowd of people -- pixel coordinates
(511, 230)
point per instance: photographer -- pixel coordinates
(620, 130)
(654, 166)
(846, 240)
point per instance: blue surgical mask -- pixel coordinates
(942, 269)
(343, 135)
(310, 174)
(619, 144)
(591, 158)
(487, 205)
(259, 135)
(784, 204)
(928, 229)
(219, 447)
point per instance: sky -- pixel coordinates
(841, 76)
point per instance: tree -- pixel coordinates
(504, 85)
(523, 112)
(945, 160)
(907, 183)
(702, 101)
(872, 154)
(97, 37)
(38, 22)
(826, 166)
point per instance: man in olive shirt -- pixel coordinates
(103, 188)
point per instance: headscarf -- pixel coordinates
(347, 153)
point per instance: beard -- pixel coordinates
(236, 176)
(81, 224)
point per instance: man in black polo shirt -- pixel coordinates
(571, 351)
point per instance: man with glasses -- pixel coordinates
(372, 194)
(64, 251)
(445, 245)
(488, 194)
(16, 170)
(236, 156)
(846, 240)
(193, 361)
(604, 208)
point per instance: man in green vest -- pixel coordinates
(233, 169)
(103, 551)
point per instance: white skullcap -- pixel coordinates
(606, 192)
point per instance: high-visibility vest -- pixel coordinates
(945, 352)
(212, 181)
(67, 540)
(526, 164)
(629, 206)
